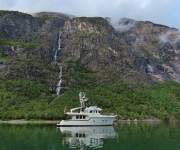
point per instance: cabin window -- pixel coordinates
(80, 117)
(90, 111)
(83, 117)
(77, 117)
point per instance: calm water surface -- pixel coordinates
(123, 136)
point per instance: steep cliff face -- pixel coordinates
(89, 44)
(132, 51)
(158, 46)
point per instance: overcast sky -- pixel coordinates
(166, 12)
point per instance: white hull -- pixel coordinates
(86, 115)
(94, 121)
(92, 130)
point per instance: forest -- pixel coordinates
(30, 100)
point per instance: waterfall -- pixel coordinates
(60, 73)
(59, 42)
(59, 48)
(58, 87)
(55, 56)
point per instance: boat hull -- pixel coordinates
(94, 121)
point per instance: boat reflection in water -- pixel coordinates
(87, 137)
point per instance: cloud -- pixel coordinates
(162, 12)
(139, 40)
(163, 38)
(123, 25)
(170, 36)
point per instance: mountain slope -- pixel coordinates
(93, 53)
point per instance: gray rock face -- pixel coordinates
(146, 52)
(15, 25)
(156, 43)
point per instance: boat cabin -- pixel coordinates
(92, 109)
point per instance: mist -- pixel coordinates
(164, 12)
(170, 36)
(123, 25)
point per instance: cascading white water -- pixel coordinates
(59, 42)
(58, 87)
(59, 48)
(55, 56)
(60, 73)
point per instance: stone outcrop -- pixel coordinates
(132, 51)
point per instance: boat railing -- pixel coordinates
(110, 115)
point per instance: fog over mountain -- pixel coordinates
(161, 12)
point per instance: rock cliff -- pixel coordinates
(132, 51)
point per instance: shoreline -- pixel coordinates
(144, 120)
(147, 120)
(22, 121)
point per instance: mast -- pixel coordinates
(83, 100)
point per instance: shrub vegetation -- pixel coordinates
(24, 99)
(8, 41)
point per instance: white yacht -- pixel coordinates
(86, 115)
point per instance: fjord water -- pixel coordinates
(122, 136)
